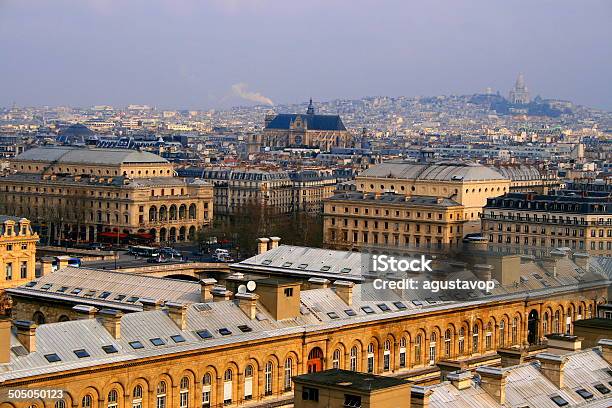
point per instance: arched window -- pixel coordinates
(371, 358)
(475, 339)
(417, 349)
(336, 359)
(60, 404)
(489, 336)
(137, 397)
(112, 399)
(514, 330)
(447, 343)
(248, 383)
(502, 333)
(354, 358)
(86, 402)
(432, 348)
(402, 352)
(545, 323)
(184, 393)
(288, 373)
(590, 312)
(161, 395)
(206, 390)
(268, 379)
(387, 356)
(557, 323)
(462, 340)
(228, 386)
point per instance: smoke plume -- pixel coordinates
(240, 90)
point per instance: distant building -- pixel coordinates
(309, 130)
(520, 94)
(534, 223)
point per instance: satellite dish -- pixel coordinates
(242, 289)
(251, 285)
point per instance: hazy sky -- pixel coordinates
(209, 53)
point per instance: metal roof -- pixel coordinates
(455, 171)
(73, 155)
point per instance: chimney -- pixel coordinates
(318, 283)
(493, 381)
(85, 311)
(220, 293)
(460, 379)
(62, 261)
(512, 356)
(274, 242)
(111, 320)
(178, 313)
(247, 302)
(606, 349)
(419, 397)
(46, 265)
(150, 304)
(5, 340)
(26, 334)
(581, 260)
(552, 366)
(206, 286)
(483, 272)
(563, 343)
(262, 245)
(344, 290)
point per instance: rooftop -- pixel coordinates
(74, 155)
(351, 380)
(443, 171)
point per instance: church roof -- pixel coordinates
(313, 122)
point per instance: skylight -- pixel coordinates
(244, 328)
(136, 345)
(345, 270)
(81, 353)
(204, 334)
(399, 305)
(367, 309)
(287, 264)
(384, 307)
(30, 284)
(109, 349)
(559, 400)
(325, 268)
(46, 286)
(119, 297)
(76, 291)
(224, 331)
(157, 341)
(63, 289)
(177, 338)
(302, 266)
(333, 315)
(52, 358)
(104, 294)
(132, 299)
(350, 312)
(601, 388)
(584, 393)
(266, 262)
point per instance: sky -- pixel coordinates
(203, 54)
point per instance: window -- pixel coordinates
(584, 393)
(432, 348)
(333, 315)
(559, 400)
(354, 358)
(384, 307)
(24, 269)
(136, 344)
(177, 338)
(502, 333)
(367, 309)
(447, 343)
(336, 359)
(52, 358)
(244, 328)
(461, 340)
(81, 353)
(227, 386)
(350, 312)
(204, 334)
(268, 379)
(86, 402)
(288, 373)
(371, 358)
(113, 399)
(109, 349)
(137, 397)
(387, 356)
(157, 341)
(224, 331)
(9, 270)
(417, 348)
(184, 393)
(514, 330)
(310, 394)
(206, 389)
(288, 292)
(161, 395)
(601, 388)
(402, 352)
(399, 305)
(352, 401)
(60, 404)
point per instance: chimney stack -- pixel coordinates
(552, 366)
(85, 311)
(318, 283)
(262, 245)
(150, 304)
(419, 397)
(247, 302)
(5, 340)
(460, 379)
(582, 260)
(606, 349)
(274, 242)
(344, 290)
(563, 343)
(483, 271)
(178, 313)
(46, 264)
(206, 286)
(111, 320)
(493, 381)
(26, 334)
(220, 293)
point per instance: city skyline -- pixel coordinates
(201, 55)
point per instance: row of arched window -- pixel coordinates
(172, 212)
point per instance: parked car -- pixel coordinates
(158, 259)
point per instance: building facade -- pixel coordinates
(535, 223)
(357, 220)
(91, 194)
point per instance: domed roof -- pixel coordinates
(442, 171)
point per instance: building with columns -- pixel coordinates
(234, 348)
(87, 194)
